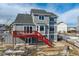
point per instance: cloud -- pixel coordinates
(70, 17)
(9, 11)
(66, 12)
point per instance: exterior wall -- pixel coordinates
(42, 32)
(21, 27)
(62, 28)
(40, 22)
(53, 34)
(46, 30)
(55, 37)
(18, 28)
(36, 19)
(50, 35)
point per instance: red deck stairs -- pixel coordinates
(35, 34)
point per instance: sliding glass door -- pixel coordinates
(28, 29)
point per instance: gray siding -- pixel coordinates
(40, 22)
(21, 27)
(36, 20)
(45, 22)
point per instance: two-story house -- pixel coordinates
(38, 20)
(61, 27)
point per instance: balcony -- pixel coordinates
(51, 32)
(52, 22)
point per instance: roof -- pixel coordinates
(61, 22)
(72, 28)
(40, 11)
(52, 14)
(24, 18)
(27, 18)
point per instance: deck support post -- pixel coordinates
(25, 45)
(13, 42)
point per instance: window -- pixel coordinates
(41, 28)
(55, 22)
(52, 19)
(34, 40)
(51, 28)
(45, 35)
(37, 28)
(41, 17)
(51, 23)
(30, 29)
(51, 36)
(25, 28)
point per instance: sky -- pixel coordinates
(66, 12)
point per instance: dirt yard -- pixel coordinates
(59, 49)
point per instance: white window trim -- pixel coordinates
(41, 17)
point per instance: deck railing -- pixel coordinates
(35, 34)
(23, 33)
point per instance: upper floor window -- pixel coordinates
(41, 17)
(41, 28)
(51, 28)
(52, 19)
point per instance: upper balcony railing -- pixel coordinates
(52, 22)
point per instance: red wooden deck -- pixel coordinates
(35, 34)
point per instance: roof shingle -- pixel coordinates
(24, 18)
(40, 11)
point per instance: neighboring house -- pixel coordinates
(2, 29)
(38, 20)
(61, 27)
(71, 29)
